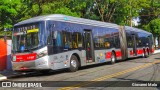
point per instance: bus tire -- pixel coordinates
(74, 64)
(113, 58)
(44, 71)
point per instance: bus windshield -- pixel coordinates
(25, 41)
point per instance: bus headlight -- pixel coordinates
(41, 54)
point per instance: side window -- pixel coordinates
(129, 41)
(96, 43)
(34, 39)
(116, 42)
(79, 40)
(103, 41)
(99, 41)
(107, 43)
(144, 41)
(140, 42)
(50, 37)
(67, 40)
(137, 41)
(76, 40)
(111, 41)
(55, 39)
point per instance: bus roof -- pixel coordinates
(136, 29)
(65, 18)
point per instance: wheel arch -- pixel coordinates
(113, 51)
(115, 58)
(148, 51)
(79, 60)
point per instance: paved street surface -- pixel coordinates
(137, 70)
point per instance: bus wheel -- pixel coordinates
(113, 58)
(73, 64)
(44, 71)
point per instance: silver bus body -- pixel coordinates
(100, 48)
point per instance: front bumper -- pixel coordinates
(38, 64)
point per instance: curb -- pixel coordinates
(3, 78)
(156, 52)
(13, 75)
(8, 75)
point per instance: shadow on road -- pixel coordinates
(157, 58)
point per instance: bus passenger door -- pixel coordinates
(134, 44)
(88, 43)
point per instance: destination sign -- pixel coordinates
(32, 31)
(26, 29)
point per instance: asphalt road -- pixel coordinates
(136, 74)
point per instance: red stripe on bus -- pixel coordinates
(118, 53)
(108, 55)
(152, 50)
(25, 57)
(131, 52)
(140, 51)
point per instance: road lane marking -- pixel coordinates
(109, 76)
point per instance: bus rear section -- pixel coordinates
(139, 42)
(28, 51)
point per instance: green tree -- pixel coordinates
(9, 13)
(154, 28)
(116, 11)
(44, 7)
(127, 10)
(150, 12)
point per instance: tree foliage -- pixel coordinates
(9, 12)
(121, 12)
(154, 27)
(150, 12)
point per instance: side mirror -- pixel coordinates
(5, 34)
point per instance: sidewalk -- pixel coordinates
(157, 51)
(6, 74)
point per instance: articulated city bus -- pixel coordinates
(57, 41)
